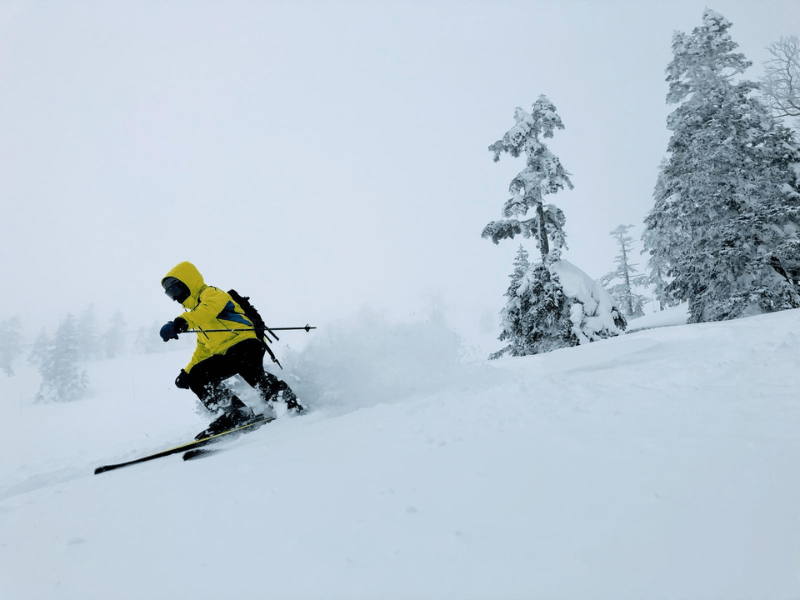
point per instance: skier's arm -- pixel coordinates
(200, 353)
(211, 302)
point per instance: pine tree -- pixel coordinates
(515, 310)
(10, 344)
(62, 379)
(144, 342)
(148, 341)
(726, 203)
(40, 349)
(625, 276)
(547, 324)
(658, 241)
(112, 340)
(539, 316)
(88, 340)
(660, 286)
(543, 175)
(534, 316)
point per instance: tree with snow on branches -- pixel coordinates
(727, 201)
(543, 175)
(625, 277)
(539, 316)
(10, 344)
(62, 378)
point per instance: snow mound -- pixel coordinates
(669, 317)
(592, 315)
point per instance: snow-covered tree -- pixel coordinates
(62, 378)
(10, 344)
(529, 319)
(515, 310)
(658, 242)
(539, 316)
(147, 340)
(40, 349)
(621, 281)
(144, 342)
(727, 206)
(657, 282)
(536, 317)
(88, 340)
(543, 175)
(780, 84)
(113, 338)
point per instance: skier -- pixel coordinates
(220, 355)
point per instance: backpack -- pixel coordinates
(259, 326)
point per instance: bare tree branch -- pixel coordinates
(781, 81)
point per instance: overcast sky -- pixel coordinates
(319, 156)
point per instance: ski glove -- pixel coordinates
(182, 381)
(171, 330)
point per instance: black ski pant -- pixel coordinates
(206, 379)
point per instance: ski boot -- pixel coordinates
(269, 413)
(292, 404)
(236, 415)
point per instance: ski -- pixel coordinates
(199, 453)
(255, 424)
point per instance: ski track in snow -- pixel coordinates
(656, 465)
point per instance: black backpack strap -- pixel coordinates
(259, 326)
(272, 355)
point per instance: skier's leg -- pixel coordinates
(206, 381)
(250, 356)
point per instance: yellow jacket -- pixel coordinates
(210, 308)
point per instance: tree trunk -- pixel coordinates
(627, 280)
(544, 246)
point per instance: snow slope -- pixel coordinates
(661, 464)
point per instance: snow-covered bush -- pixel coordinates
(556, 307)
(593, 314)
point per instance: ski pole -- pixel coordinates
(306, 328)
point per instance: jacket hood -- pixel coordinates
(187, 273)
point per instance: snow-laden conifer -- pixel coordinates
(658, 283)
(40, 348)
(10, 343)
(539, 316)
(516, 309)
(88, 340)
(543, 175)
(113, 342)
(658, 241)
(622, 281)
(147, 341)
(62, 378)
(726, 211)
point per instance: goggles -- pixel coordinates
(175, 289)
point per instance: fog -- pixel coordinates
(319, 157)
